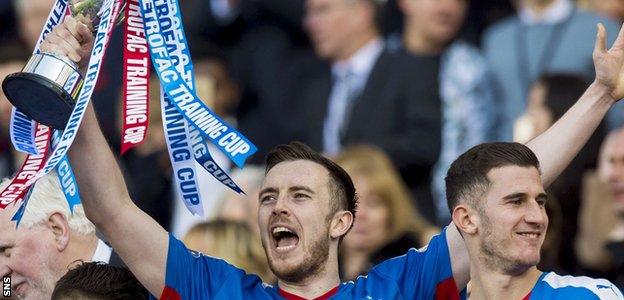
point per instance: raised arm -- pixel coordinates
(556, 147)
(138, 239)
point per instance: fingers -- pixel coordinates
(85, 34)
(601, 41)
(71, 25)
(71, 39)
(69, 46)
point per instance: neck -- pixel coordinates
(415, 41)
(317, 284)
(494, 284)
(538, 6)
(81, 248)
(358, 42)
(354, 263)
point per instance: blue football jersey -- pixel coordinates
(419, 274)
(553, 286)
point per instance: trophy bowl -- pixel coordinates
(46, 88)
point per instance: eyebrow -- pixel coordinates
(267, 190)
(514, 196)
(291, 189)
(301, 188)
(542, 195)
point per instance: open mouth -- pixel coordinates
(284, 239)
(530, 235)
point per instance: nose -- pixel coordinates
(536, 214)
(616, 172)
(281, 206)
(4, 270)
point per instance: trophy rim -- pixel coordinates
(63, 58)
(63, 99)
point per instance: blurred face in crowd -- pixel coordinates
(5, 106)
(512, 222)
(296, 219)
(611, 167)
(30, 257)
(536, 119)
(216, 87)
(371, 227)
(610, 8)
(31, 16)
(436, 21)
(336, 27)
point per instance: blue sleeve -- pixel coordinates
(192, 275)
(422, 273)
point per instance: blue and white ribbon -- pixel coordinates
(108, 13)
(181, 57)
(158, 31)
(22, 128)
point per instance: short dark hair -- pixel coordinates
(466, 179)
(341, 184)
(97, 280)
(562, 91)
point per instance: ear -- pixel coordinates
(60, 229)
(465, 220)
(340, 224)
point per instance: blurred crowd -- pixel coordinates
(392, 90)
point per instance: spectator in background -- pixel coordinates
(31, 16)
(549, 98)
(546, 36)
(256, 36)
(233, 242)
(600, 245)
(610, 8)
(217, 88)
(468, 110)
(387, 223)
(243, 208)
(96, 280)
(12, 60)
(47, 241)
(363, 92)
(226, 204)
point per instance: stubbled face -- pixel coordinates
(611, 168)
(513, 221)
(370, 229)
(437, 20)
(28, 256)
(294, 219)
(332, 25)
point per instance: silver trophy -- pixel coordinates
(46, 87)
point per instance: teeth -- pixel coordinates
(277, 230)
(530, 235)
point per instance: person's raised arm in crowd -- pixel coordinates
(139, 240)
(556, 147)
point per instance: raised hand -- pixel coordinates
(609, 63)
(72, 39)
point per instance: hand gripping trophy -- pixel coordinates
(46, 88)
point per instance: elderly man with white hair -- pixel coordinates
(48, 240)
